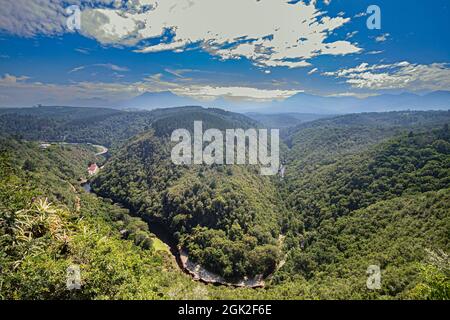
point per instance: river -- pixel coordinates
(87, 187)
(196, 271)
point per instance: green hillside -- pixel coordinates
(108, 127)
(385, 206)
(47, 225)
(228, 218)
(359, 190)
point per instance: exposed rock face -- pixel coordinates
(201, 274)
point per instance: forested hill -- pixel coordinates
(324, 141)
(106, 127)
(48, 223)
(228, 218)
(70, 124)
(387, 205)
(284, 120)
(413, 163)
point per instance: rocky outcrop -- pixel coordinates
(201, 274)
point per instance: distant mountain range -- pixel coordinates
(153, 100)
(302, 103)
(284, 120)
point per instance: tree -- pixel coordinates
(29, 165)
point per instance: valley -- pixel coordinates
(248, 153)
(197, 272)
(358, 190)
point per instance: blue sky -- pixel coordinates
(239, 50)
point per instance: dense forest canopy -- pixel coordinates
(359, 190)
(226, 217)
(108, 127)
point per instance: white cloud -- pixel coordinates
(83, 51)
(361, 14)
(10, 79)
(28, 18)
(401, 75)
(179, 73)
(238, 93)
(352, 94)
(351, 34)
(382, 38)
(269, 33)
(313, 71)
(375, 52)
(76, 69)
(109, 66)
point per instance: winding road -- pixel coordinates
(103, 149)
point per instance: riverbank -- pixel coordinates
(201, 274)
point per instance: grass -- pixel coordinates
(158, 245)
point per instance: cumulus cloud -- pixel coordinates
(269, 33)
(28, 18)
(401, 75)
